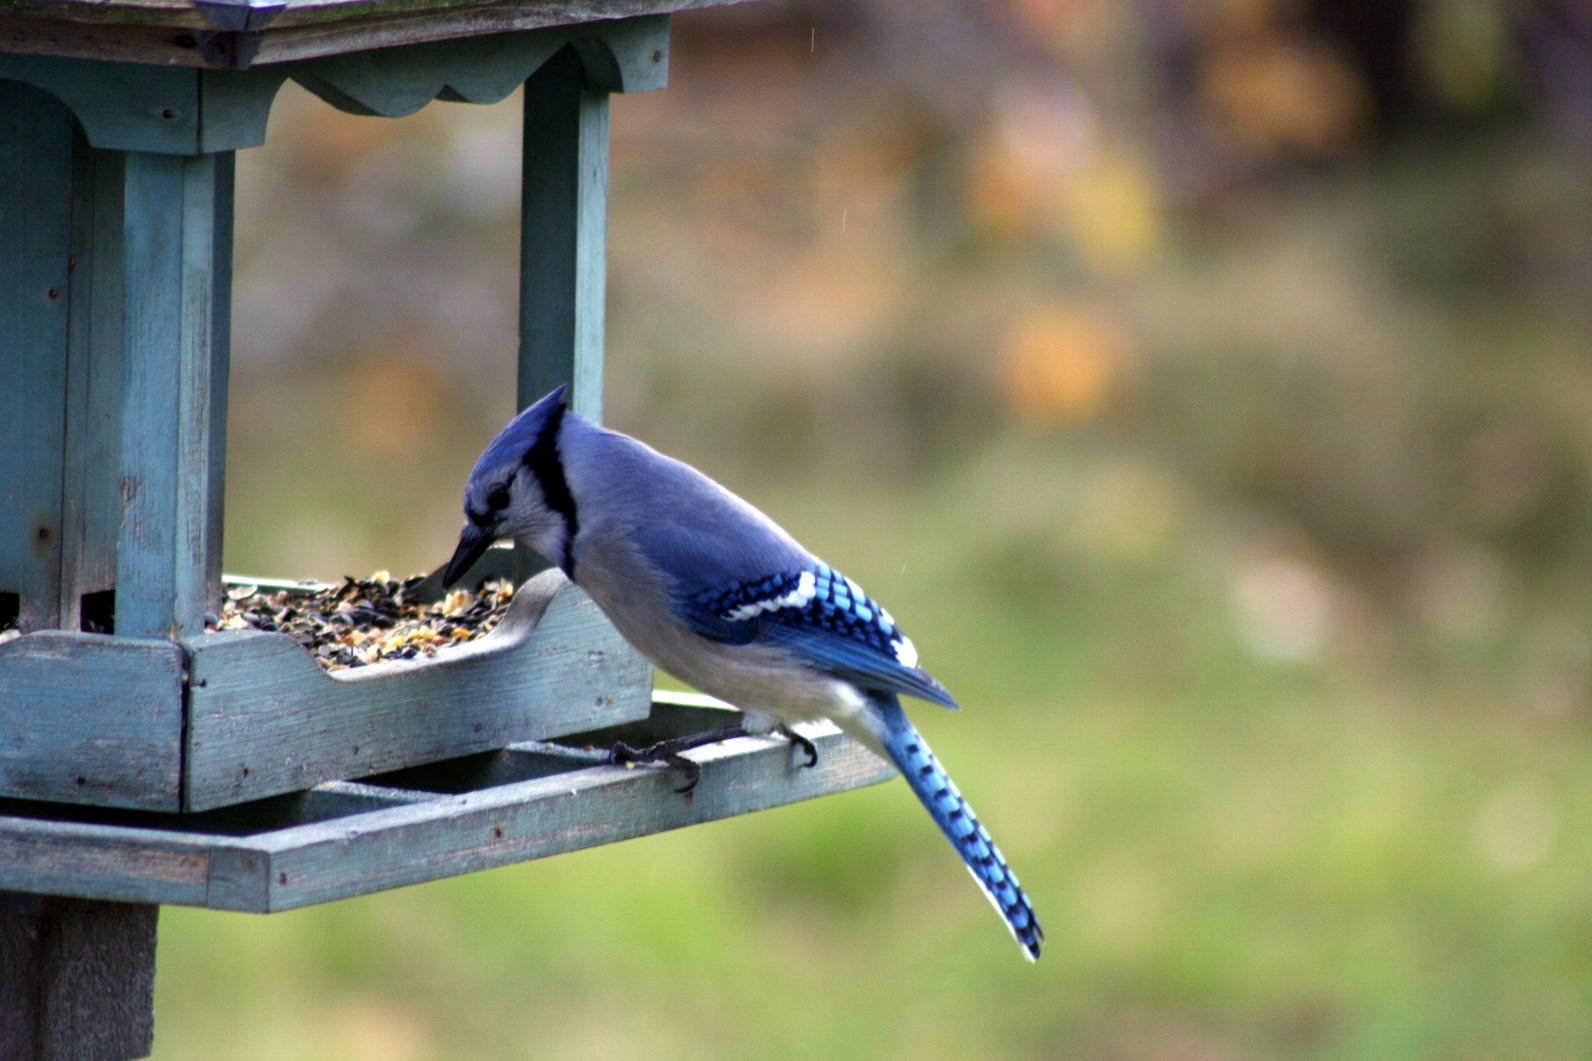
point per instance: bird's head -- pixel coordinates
(517, 490)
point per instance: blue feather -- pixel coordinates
(934, 788)
(822, 618)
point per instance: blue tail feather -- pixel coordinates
(959, 824)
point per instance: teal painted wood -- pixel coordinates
(180, 111)
(220, 372)
(91, 510)
(91, 719)
(529, 801)
(626, 56)
(264, 718)
(35, 222)
(168, 275)
(564, 225)
(158, 109)
(115, 862)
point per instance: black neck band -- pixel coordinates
(542, 460)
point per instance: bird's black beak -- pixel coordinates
(473, 541)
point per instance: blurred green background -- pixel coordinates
(1204, 385)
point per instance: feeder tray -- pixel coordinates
(248, 714)
(346, 838)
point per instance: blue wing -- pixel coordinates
(821, 617)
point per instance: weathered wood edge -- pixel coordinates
(424, 839)
(89, 718)
(184, 14)
(552, 815)
(178, 39)
(177, 109)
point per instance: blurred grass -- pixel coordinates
(1233, 858)
(1227, 455)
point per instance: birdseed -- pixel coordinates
(370, 620)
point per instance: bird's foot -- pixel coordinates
(807, 746)
(668, 752)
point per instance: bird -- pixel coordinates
(718, 595)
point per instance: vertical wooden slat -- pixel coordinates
(220, 372)
(564, 225)
(94, 362)
(169, 270)
(35, 220)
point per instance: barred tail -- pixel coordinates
(956, 820)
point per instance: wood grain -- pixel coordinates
(169, 268)
(35, 222)
(309, 12)
(563, 234)
(79, 978)
(86, 718)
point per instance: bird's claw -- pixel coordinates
(623, 754)
(668, 751)
(807, 746)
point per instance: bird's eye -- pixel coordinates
(498, 498)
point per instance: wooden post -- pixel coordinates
(170, 517)
(563, 234)
(79, 979)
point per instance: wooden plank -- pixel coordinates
(129, 106)
(103, 41)
(533, 801)
(637, 44)
(183, 13)
(91, 511)
(220, 372)
(91, 719)
(168, 275)
(121, 105)
(551, 815)
(173, 109)
(293, 44)
(264, 718)
(620, 56)
(113, 862)
(35, 226)
(395, 81)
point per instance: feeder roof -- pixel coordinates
(165, 31)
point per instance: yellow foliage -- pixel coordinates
(1113, 214)
(1282, 95)
(1047, 171)
(1062, 363)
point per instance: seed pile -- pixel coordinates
(369, 620)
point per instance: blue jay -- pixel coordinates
(718, 595)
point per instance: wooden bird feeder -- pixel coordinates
(146, 761)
